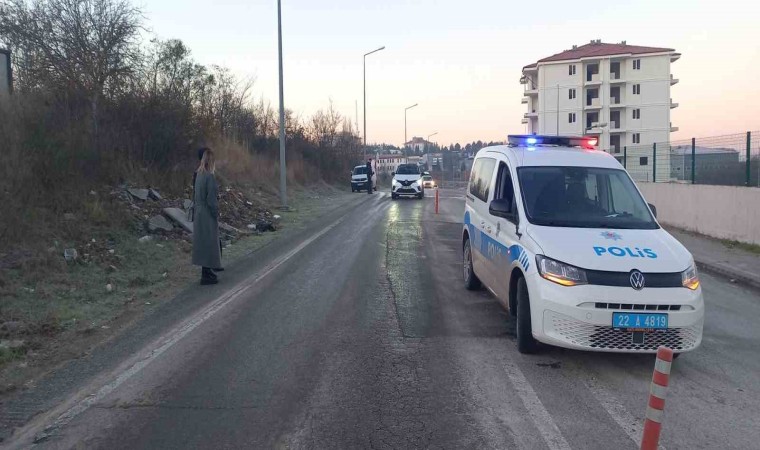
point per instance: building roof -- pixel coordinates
(598, 49)
(417, 140)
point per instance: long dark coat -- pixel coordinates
(206, 251)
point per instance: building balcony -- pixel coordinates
(673, 80)
(619, 80)
(593, 80)
(595, 128)
(530, 114)
(524, 121)
(673, 129)
(524, 100)
(673, 104)
(616, 104)
(530, 91)
(617, 127)
(594, 103)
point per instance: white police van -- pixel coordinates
(561, 235)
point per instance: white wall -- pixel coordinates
(725, 212)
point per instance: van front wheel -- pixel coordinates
(471, 281)
(526, 343)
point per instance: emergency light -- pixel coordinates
(523, 140)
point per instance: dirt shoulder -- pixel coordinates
(50, 315)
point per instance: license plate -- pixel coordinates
(639, 321)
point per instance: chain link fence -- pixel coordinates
(732, 160)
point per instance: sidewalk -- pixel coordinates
(712, 255)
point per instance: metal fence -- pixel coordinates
(732, 160)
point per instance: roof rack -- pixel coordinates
(530, 140)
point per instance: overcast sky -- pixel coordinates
(461, 60)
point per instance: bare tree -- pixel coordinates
(88, 45)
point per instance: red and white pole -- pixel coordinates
(656, 405)
(436, 201)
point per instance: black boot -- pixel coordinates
(208, 276)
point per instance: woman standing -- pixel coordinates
(206, 220)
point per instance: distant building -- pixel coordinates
(388, 163)
(708, 162)
(418, 144)
(432, 161)
(618, 92)
(6, 74)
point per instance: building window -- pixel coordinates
(571, 94)
(636, 64)
(571, 69)
(637, 113)
(644, 161)
(571, 117)
(636, 89)
(636, 138)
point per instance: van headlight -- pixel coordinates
(690, 278)
(559, 272)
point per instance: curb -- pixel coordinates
(720, 270)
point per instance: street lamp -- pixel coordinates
(283, 170)
(365, 96)
(406, 153)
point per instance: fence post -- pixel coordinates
(749, 155)
(654, 162)
(693, 160)
(625, 156)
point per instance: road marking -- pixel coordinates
(541, 418)
(630, 424)
(167, 341)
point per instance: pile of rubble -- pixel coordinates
(155, 214)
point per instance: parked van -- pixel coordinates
(359, 180)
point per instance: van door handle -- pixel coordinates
(482, 224)
(488, 229)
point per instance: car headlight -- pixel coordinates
(559, 272)
(690, 278)
(396, 183)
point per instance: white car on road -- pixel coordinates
(407, 181)
(561, 235)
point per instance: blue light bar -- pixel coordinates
(522, 140)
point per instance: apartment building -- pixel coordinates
(385, 164)
(618, 92)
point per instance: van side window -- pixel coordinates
(480, 179)
(504, 187)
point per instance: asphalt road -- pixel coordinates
(359, 334)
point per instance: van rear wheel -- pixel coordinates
(526, 343)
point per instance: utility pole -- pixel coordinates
(283, 169)
(365, 96)
(406, 151)
(557, 109)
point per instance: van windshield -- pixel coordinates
(361, 170)
(583, 197)
(408, 169)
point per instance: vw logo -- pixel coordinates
(637, 280)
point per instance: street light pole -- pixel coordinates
(365, 96)
(431, 135)
(406, 152)
(283, 169)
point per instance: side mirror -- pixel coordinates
(393, 174)
(502, 207)
(654, 209)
